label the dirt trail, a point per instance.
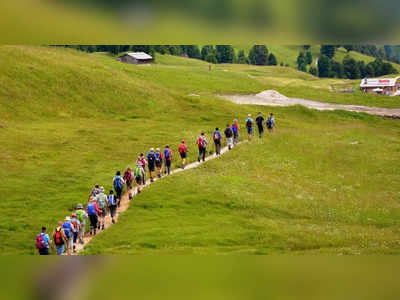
(125, 199)
(273, 98)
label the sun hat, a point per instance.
(151, 149)
(158, 149)
(102, 189)
(79, 206)
(67, 218)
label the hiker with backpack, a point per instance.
(260, 124)
(139, 177)
(202, 145)
(82, 216)
(182, 149)
(271, 122)
(151, 161)
(112, 205)
(142, 162)
(158, 161)
(118, 183)
(128, 178)
(93, 211)
(69, 230)
(229, 136)
(77, 226)
(101, 200)
(59, 238)
(235, 130)
(167, 159)
(217, 136)
(249, 126)
(43, 242)
(94, 191)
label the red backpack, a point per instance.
(40, 241)
(200, 142)
(58, 240)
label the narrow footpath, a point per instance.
(125, 202)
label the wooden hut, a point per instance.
(385, 86)
(137, 58)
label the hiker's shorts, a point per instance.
(113, 209)
(229, 141)
(152, 167)
(249, 130)
(183, 155)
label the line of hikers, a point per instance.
(72, 230)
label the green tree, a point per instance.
(313, 71)
(308, 58)
(193, 51)
(370, 70)
(324, 67)
(272, 60)
(242, 59)
(258, 55)
(362, 68)
(350, 67)
(301, 62)
(328, 50)
(206, 50)
(337, 69)
(211, 58)
(225, 53)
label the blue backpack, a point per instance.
(166, 153)
(91, 209)
(67, 229)
(111, 200)
(118, 183)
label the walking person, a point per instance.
(260, 124)
(217, 136)
(229, 136)
(94, 191)
(202, 145)
(151, 161)
(138, 177)
(128, 181)
(158, 162)
(235, 130)
(118, 183)
(77, 225)
(271, 122)
(249, 126)
(112, 205)
(93, 211)
(59, 238)
(101, 200)
(43, 242)
(69, 229)
(183, 152)
(167, 159)
(82, 216)
(142, 162)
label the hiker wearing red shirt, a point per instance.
(128, 181)
(183, 152)
(93, 211)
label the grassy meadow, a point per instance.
(69, 120)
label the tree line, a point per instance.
(328, 67)
(258, 54)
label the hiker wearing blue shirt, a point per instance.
(43, 242)
(158, 162)
(151, 160)
(112, 205)
(217, 135)
(69, 230)
(118, 183)
(271, 122)
(249, 126)
(167, 159)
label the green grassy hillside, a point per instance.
(69, 120)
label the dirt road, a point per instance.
(273, 98)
